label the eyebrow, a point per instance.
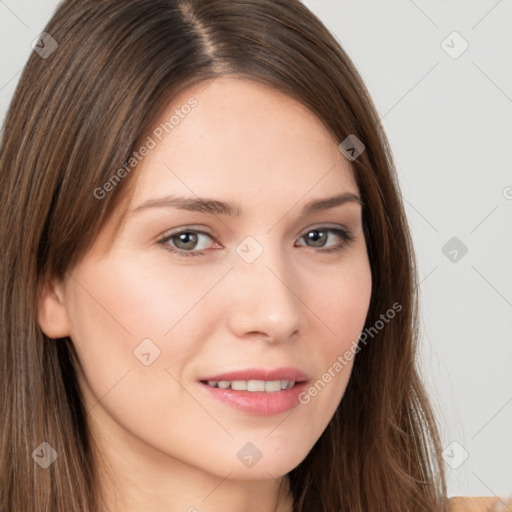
(216, 207)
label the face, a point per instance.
(267, 295)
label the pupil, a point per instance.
(190, 239)
(316, 236)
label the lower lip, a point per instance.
(259, 403)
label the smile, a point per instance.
(268, 386)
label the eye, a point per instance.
(321, 235)
(191, 242)
(187, 242)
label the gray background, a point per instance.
(448, 118)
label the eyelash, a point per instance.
(344, 234)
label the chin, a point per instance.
(275, 466)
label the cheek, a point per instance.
(133, 338)
(140, 300)
(343, 309)
(339, 303)
(342, 301)
(128, 315)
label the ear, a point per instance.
(52, 314)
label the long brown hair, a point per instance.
(75, 119)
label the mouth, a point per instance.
(266, 386)
(257, 392)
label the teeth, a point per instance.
(273, 385)
(269, 386)
(239, 385)
(257, 385)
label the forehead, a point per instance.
(238, 138)
(239, 142)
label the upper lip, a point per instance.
(283, 373)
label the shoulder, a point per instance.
(480, 504)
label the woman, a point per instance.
(263, 373)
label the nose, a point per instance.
(265, 299)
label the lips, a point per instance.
(243, 389)
(266, 374)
